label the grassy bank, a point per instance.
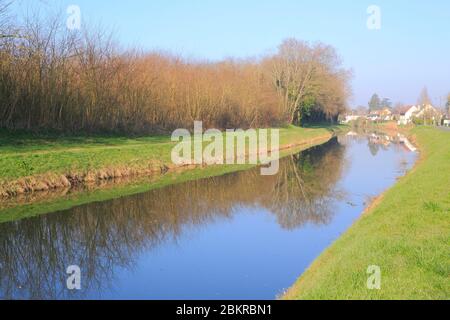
(406, 233)
(41, 163)
(37, 203)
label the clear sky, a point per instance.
(410, 51)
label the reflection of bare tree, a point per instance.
(35, 253)
(99, 237)
(305, 186)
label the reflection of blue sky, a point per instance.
(410, 50)
(249, 255)
(213, 243)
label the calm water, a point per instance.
(240, 236)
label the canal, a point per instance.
(237, 236)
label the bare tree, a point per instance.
(424, 98)
(51, 78)
(302, 72)
(447, 105)
(5, 21)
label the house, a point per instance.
(447, 123)
(424, 112)
(406, 117)
(380, 115)
(386, 114)
(429, 113)
(350, 118)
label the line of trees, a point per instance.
(376, 103)
(52, 78)
(447, 105)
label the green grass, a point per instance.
(13, 210)
(98, 148)
(25, 155)
(407, 234)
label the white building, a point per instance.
(350, 118)
(420, 112)
(407, 117)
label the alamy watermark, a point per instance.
(73, 21)
(231, 147)
(374, 279)
(73, 282)
(374, 19)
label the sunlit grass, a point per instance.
(73, 152)
(407, 235)
(26, 155)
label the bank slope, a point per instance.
(18, 206)
(406, 234)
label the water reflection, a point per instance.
(381, 140)
(35, 252)
(111, 237)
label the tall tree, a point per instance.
(386, 103)
(4, 18)
(53, 79)
(447, 105)
(374, 103)
(303, 74)
(398, 107)
(361, 111)
(424, 98)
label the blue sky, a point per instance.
(411, 50)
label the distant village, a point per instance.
(423, 113)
